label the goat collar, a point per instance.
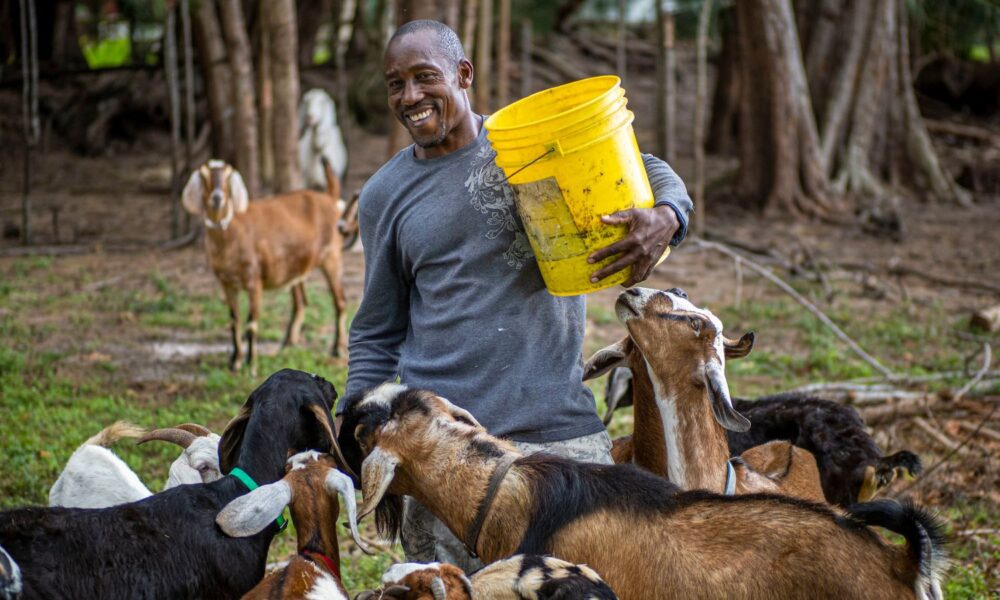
(251, 485)
(226, 220)
(730, 479)
(325, 560)
(472, 533)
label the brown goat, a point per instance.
(310, 489)
(678, 352)
(644, 535)
(268, 244)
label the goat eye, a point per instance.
(695, 325)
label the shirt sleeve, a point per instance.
(379, 327)
(668, 189)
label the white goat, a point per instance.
(95, 477)
(320, 136)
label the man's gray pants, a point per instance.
(426, 539)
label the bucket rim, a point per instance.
(490, 123)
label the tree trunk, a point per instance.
(310, 16)
(701, 91)
(285, 77)
(265, 102)
(722, 130)
(484, 59)
(238, 50)
(503, 55)
(665, 88)
(218, 79)
(470, 9)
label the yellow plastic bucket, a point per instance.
(570, 155)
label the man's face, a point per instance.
(426, 93)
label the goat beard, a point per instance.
(389, 517)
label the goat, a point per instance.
(852, 468)
(320, 138)
(199, 461)
(10, 577)
(268, 244)
(684, 408)
(94, 477)
(646, 537)
(515, 578)
(167, 545)
(310, 489)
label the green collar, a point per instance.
(251, 485)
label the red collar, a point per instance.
(326, 560)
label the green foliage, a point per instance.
(960, 28)
(103, 54)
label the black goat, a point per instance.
(168, 545)
(851, 466)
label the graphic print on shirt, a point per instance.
(492, 197)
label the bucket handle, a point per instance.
(550, 148)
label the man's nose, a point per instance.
(412, 93)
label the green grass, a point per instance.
(63, 376)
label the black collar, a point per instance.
(472, 533)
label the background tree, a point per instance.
(244, 97)
(280, 25)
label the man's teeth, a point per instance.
(420, 115)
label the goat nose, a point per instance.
(632, 292)
(677, 292)
(216, 200)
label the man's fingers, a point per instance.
(618, 218)
(613, 268)
(610, 250)
(641, 271)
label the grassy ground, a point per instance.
(79, 352)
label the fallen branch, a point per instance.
(979, 376)
(939, 437)
(978, 134)
(875, 415)
(767, 274)
(901, 270)
(971, 532)
(983, 431)
(926, 476)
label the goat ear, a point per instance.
(376, 475)
(238, 192)
(324, 419)
(739, 348)
(338, 483)
(232, 440)
(607, 358)
(459, 413)
(722, 404)
(251, 513)
(192, 198)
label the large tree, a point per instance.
(826, 108)
(283, 42)
(244, 96)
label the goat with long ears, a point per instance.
(168, 545)
(645, 536)
(683, 408)
(310, 489)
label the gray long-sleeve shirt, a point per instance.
(454, 302)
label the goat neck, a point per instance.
(649, 449)
(679, 367)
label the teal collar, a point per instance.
(251, 485)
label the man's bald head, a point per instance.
(449, 45)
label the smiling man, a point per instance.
(453, 299)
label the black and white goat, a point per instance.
(515, 578)
(168, 545)
(646, 538)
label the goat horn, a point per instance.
(376, 474)
(396, 591)
(340, 483)
(174, 435)
(438, 589)
(198, 430)
(722, 404)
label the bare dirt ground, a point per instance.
(115, 209)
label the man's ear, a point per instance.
(465, 74)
